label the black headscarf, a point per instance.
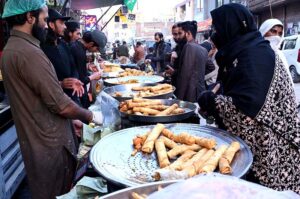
(246, 60)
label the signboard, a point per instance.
(90, 22)
(131, 17)
(204, 25)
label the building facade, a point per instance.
(285, 10)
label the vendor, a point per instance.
(72, 32)
(60, 56)
(40, 109)
(92, 41)
(258, 103)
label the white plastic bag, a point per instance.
(111, 123)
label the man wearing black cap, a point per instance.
(60, 56)
(92, 41)
(72, 33)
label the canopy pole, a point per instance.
(62, 10)
(104, 14)
(110, 19)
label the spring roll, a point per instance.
(185, 138)
(161, 151)
(158, 107)
(124, 108)
(145, 110)
(169, 134)
(205, 142)
(160, 87)
(140, 88)
(211, 164)
(176, 165)
(195, 158)
(168, 111)
(178, 111)
(138, 142)
(226, 159)
(168, 142)
(181, 149)
(149, 143)
(143, 104)
(193, 169)
(136, 99)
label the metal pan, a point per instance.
(126, 89)
(141, 80)
(141, 189)
(111, 156)
(187, 106)
(111, 74)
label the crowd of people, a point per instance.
(47, 78)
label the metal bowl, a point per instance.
(127, 89)
(111, 156)
(141, 80)
(187, 106)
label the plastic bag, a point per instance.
(112, 119)
(217, 186)
(87, 188)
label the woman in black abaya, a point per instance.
(258, 101)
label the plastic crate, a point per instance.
(12, 170)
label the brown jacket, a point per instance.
(46, 138)
(190, 79)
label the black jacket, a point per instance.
(160, 51)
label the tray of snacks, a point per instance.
(145, 154)
(134, 72)
(149, 91)
(111, 70)
(133, 80)
(156, 110)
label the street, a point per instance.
(297, 91)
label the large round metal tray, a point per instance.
(127, 90)
(140, 79)
(147, 189)
(187, 106)
(111, 156)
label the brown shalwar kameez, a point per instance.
(46, 138)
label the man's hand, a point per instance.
(95, 76)
(78, 88)
(74, 84)
(77, 124)
(93, 68)
(173, 56)
(169, 71)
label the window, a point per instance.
(219, 3)
(290, 44)
(200, 4)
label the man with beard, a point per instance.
(72, 32)
(190, 79)
(172, 69)
(60, 56)
(40, 109)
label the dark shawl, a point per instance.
(246, 60)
